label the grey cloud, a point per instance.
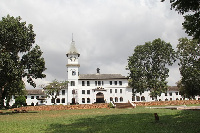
(106, 32)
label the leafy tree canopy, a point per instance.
(189, 56)
(53, 88)
(147, 65)
(192, 19)
(19, 57)
(183, 6)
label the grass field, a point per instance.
(139, 120)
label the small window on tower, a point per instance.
(73, 73)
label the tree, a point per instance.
(20, 100)
(189, 56)
(53, 88)
(147, 65)
(19, 58)
(16, 88)
(192, 19)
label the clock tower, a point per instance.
(73, 73)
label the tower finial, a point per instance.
(72, 37)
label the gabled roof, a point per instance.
(101, 76)
(72, 49)
(35, 92)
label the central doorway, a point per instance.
(100, 98)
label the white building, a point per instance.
(95, 88)
(92, 88)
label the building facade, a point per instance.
(95, 88)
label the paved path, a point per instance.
(184, 107)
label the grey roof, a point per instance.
(73, 49)
(101, 76)
(173, 88)
(35, 92)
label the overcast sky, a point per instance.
(105, 31)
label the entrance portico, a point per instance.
(100, 97)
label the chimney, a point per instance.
(98, 71)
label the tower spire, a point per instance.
(72, 37)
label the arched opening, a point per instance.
(100, 98)
(142, 98)
(73, 101)
(116, 99)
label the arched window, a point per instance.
(116, 99)
(133, 98)
(121, 99)
(83, 100)
(142, 98)
(111, 99)
(137, 98)
(88, 100)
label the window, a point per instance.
(73, 91)
(110, 82)
(170, 99)
(37, 97)
(111, 99)
(63, 92)
(133, 98)
(73, 73)
(83, 91)
(88, 91)
(165, 94)
(83, 100)
(53, 100)
(120, 90)
(102, 83)
(72, 83)
(176, 93)
(52, 93)
(26, 97)
(88, 100)
(99, 83)
(63, 100)
(115, 82)
(110, 90)
(88, 83)
(95, 83)
(116, 99)
(58, 100)
(137, 98)
(115, 90)
(121, 99)
(120, 82)
(142, 98)
(32, 97)
(83, 83)
(170, 93)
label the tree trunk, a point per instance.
(1, 98)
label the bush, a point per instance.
(111, 105)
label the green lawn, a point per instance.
(139, 120)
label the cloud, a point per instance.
(105, 31)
